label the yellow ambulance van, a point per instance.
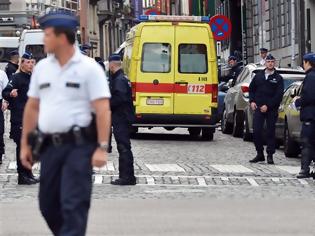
(171, 63)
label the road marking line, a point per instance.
(224, 178)
(150, 180)
(98, 179)
(275, 179)
(201, 181)
(164, 168)
(174, 178)
(303, 181)
(290, 169)
(252, 182)
(232, 168)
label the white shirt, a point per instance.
(3, 81)
(65, 93)
(262, 62)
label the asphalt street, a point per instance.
(185, 187)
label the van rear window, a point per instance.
(193, 59)
(156, 57)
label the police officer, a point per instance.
(265, 95)
(122, 116)
(263, 55)
(3, 84)
(62, 100)
(307, 115)
(16, 94)
(86, 48)
(13, 64)
(236, 69)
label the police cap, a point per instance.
(28, 56)
(14, 53)
(86, 46)
(265, 50)
(114, 57)
(270, 58)
(309, 57)
(232, 58)
(59, 18)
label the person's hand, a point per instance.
(14, 93)
(99, 158)
(263, 109)
(26, 157)
(253, 106)
(4, 106)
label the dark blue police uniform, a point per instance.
(122, 117)
(235, 70)
(267, 92)
(11, 68)
(21, 82)
(307, 115)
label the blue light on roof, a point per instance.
(143, 18)
(205, 18)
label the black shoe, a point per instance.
(124, 182)
(25, 180)
(258, 158)
(270, 160)
(303, 175)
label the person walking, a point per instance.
(122, 117)
(3, 84)
(72, 114)
(265, 95)
(306, 102)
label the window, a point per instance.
(37, 51)
(193, 59)
(156, 57)
(5, 54)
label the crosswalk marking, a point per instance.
(165, 167)
(252, 182)
(303, 181)
(98, 179)
(150, 180)
(290, 169)
(232, 168)
(201, 181)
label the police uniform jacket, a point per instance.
(121, 101)
(268, 91)
(10, 69)
(307, 100)
(234, 72)
(19, 81)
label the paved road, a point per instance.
(186, 187)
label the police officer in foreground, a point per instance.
(265, 95)
(122, 117)
(236, 69)
(16, 94)
(3, 84)
(13, 64)
(66, 89)
(307, 115)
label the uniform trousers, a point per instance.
(65, 187)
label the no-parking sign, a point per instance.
(221, 27)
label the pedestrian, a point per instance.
(236, 69)
(86, 48)
(16, 94)
(3, 84)
(13, 64)
(265, 95)
(122, 117)
(263, 55)
(306, 102)
(72, 115)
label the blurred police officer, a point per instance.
(16, 94)
(3, 84)
(263, 55)
(13, 64)
(122, 116)
(86, 48)
(62, 97)
(307, 115)
(236, 69)
(265, 95)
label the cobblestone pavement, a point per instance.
(169, 164)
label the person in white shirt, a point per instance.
(263, 55)
(3, 83)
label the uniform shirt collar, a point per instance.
(75, 58)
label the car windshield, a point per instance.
(288, 82)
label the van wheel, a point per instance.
(291, 147)
(194, 132)
(207, 134)
(238, 124)
(226, 127)
(247, 135)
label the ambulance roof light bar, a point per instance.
(174, 18)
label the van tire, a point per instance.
(291, 147)
(226, 127)
(247, 135)
(207, 134)
(238, 124)
(194, 132)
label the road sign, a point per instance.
(152, 11)
(221, 27)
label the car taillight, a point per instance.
(245, 89)
(214, 93)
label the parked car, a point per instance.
(289, 76)
(288, 126)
